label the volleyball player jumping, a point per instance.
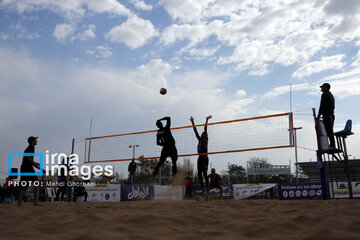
(203, 159)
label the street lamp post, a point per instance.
(133, 147)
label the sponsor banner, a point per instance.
(242, 191)
(135, 192)
(341, 190)
(269, 171)
(293, 191)
(167, 192)
(214, 191)
(103, 193)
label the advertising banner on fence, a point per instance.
(103, 193)
(293, 191)
(341, 190)
(273, 170)
(247, 190)
(162, 192)
(214, 191)
(135, 192)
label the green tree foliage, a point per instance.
(256, 162)
(236, 173)
(187, 168)
(145, 168)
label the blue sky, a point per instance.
(65, 61)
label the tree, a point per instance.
(256, 162)
(117, 177)
(236, 173)
(145, 168)
(187, 168)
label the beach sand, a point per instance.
(216, 219)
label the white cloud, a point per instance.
(87, 34)
(109, 6)
(348, 15)
(345, 88)
(194, 33)
(134, 33)
(70, 9)
(261, 32)
(141, 5)
(326, 63)
(356, 62)
(90, 52)
(201, 53)
(202, 79)
(240, 93)
(237, 108)
(100, 52)
(67, 8)
(285, 90)
(185, 11)
(25, 74)
(67, 32)
(18, 31)
(103, 52)
(64, 31)
(154, 74)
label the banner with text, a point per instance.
(242, 191)
(341, 190)
(103, 193)
(293, 191)
(135, 192)
(214, 191)
(162, 192)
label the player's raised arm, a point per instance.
(195, 130)
(206, 122)
(168, 121)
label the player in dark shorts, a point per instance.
(27, 167)
(203, 159)
(165, 139)
(215, 181)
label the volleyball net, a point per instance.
(248, 134)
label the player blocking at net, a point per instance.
(165, 139)
(203, 159)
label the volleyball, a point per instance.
(163, 91)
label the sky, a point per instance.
(65, 62)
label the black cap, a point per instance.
(325, 85)
(32, 138)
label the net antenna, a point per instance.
(89, 148)
(240, 135)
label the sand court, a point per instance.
(216, 219)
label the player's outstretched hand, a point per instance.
(208, 117)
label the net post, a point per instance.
(89, 150)
(71, 178)
(291, 130)
(85, 151)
